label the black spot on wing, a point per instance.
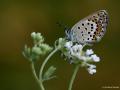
(88, 32)
(85, 28)
(82, 24)
(88, 23)
(92, 27)
(78, 27)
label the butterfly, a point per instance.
(90, 29)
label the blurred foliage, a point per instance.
(18, 18)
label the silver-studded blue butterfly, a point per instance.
(90, 29)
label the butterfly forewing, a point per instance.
(90, 29)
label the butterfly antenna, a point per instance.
(61, 24)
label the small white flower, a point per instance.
(33, 34)
(91, 66)
(89, 52)
(75, 51)
(80, 47)
(95, 58)
(39, 36)
(68, 44)
(77, 48)
(83, 58)
(91, 71)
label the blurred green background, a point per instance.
(18, 18)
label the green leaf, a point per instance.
(49, 73)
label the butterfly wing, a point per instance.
(90, 29)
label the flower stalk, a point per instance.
(36, 78)
(45, 62)
(73, 76)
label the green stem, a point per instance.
(44, 63)
(73, 76)
(36, 78)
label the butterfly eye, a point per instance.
(66, 32)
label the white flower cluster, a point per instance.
(75, 54)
